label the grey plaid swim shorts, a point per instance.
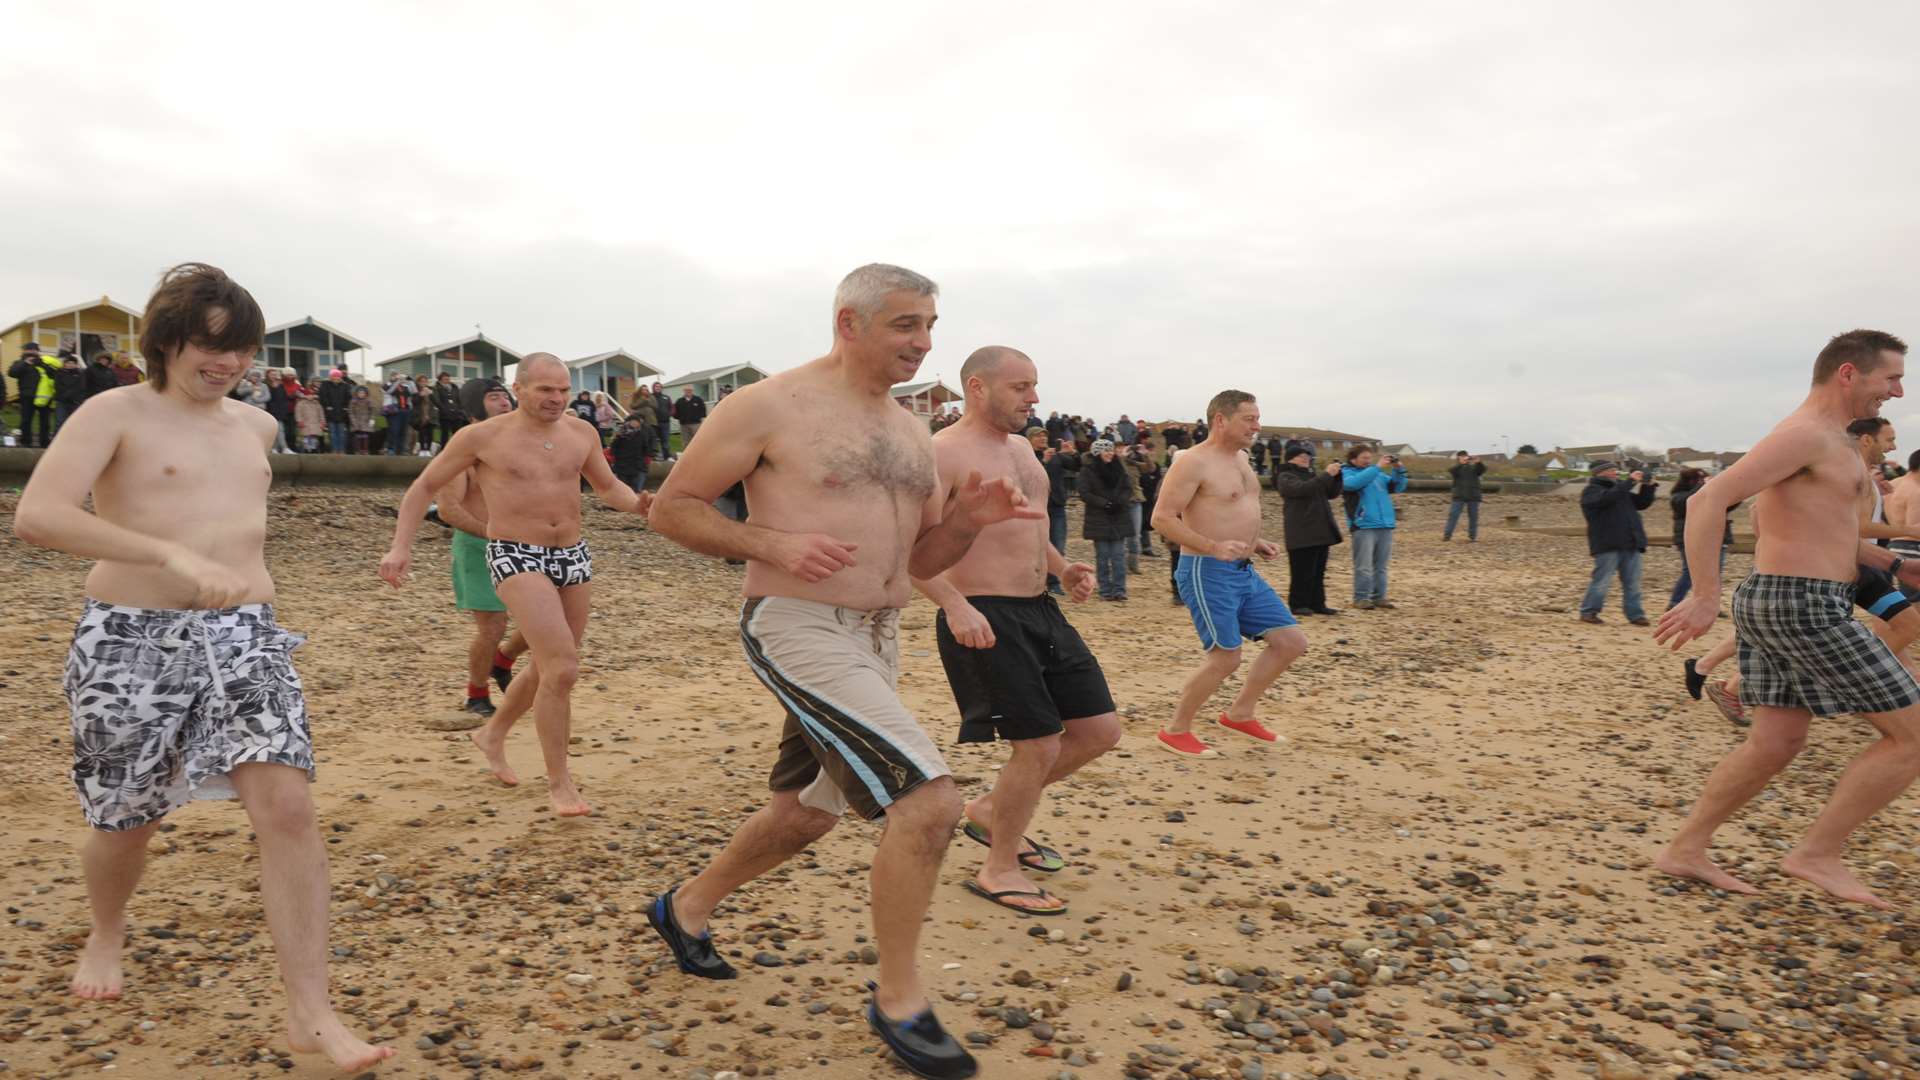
(1801, 648)
(166, 703)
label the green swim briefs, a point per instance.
(472, 585)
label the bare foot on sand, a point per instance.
(495, 748)
(566, 801)
(1832, 875)
(1700, 868)
(328, 1036)
(98, 977)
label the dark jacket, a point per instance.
(279, 405)
(1107, 492)
(1613, 515)
(664, 406)
(27, 374)
(100, 378)
(630, 450)
(70, 386)
(1059, 485)
(1466, 480)
(1307, 506)
(447, 397)
(335, 397)
(1678, 500)
(690, 410)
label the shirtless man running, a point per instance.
(179, 678)
(462, 507)
(1018, 669)
(845, 511)
(1210, 506)
(1801, 651)
(530, 463)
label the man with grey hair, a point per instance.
(847, 510)
(530, 462)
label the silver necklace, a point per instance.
(548, 445)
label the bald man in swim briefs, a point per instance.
(530, 462)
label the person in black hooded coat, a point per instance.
(1311, 529)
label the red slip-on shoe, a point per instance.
(1186, 744)
(1250, 728)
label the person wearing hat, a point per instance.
(1107, 493)
(1310, 528)
(34, 373)
(1615, 538)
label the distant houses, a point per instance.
(1324, 441)
(710, 384)
(88, 328)
(926, 398)
(308, 346)
(470, 357)
(617, 373)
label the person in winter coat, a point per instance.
(100, 376)
(69, 389)
(1369, 491)
(1466, 472)
(1058, 488)
(691, 411)
(126, 372)
(1149, 487)
(605, 419)
(1615, 538)
(311, 417)
(398, 409)
(1692, 480)
(1141, 470)
(426, 414)
(360, 414)
(630, 453)
(280, 407)
(451, 414)
(1310, 528)
(663, 409)
(334, 396)
(34, 374)
(1107, 493)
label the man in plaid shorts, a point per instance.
(1801, 652)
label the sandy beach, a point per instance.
(1443, 872)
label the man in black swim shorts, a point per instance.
(1018, 669)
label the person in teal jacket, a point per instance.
(1370, 518)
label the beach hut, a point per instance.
(927, 398)
(308, 346)
(709, 384)
(89, 329)
(468, 358)
(618, 373)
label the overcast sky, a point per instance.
(1433, 223)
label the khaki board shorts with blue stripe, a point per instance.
(848, 741)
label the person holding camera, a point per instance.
(1466, 472)
(1144, 474)
(1615, 538)
(1310, 528)
(1369, 491)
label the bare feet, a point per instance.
(495, 748)
(328, 1036)
(98, 977)
(1832, 875)
(1700, 868)
(567, 801)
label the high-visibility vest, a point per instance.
(43, 393)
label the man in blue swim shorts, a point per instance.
(1210, 506)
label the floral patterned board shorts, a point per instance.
(167, 702)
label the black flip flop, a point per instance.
(1000, 898)
(1042, 859)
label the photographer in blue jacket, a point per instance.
(1369, 491)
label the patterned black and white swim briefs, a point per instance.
(166, 703)
(563, 566)
(1801, 648)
